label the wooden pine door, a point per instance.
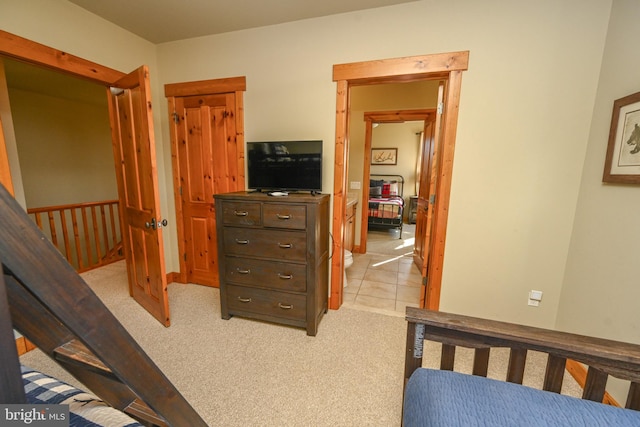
(422, 204)
(135, 156)
(425, 217)
(208, 159)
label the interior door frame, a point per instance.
(443, 66)
(393, 116)
(34, 53)
(31, 52)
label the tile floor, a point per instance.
(385, 278)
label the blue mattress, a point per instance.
(85, 410)
(445, 398)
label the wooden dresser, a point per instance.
(274, 257)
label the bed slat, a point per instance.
(448, 357)
(595, 385)
(554, 374)
(633, 398)
(481, 362)
(517, 360)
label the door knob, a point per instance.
(156, 224)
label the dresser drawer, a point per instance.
(275, 244)
(241, 213)
(266, 274)
(266, 302)
(285, 216)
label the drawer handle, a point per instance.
(285, 245)
(247, 271)
(285, 306)
(283, 216)
(244, 300)
(285, 276)
(242, 242)
(241, 213)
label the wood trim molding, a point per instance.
(174, 277)
(446, 66)
(443, 190)
(579, 373)
(206, 87)
(339, 194)
(5, 172)
(414, 68)
(24, 345)
(27, 50)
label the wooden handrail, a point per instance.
(91, 232)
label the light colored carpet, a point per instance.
(241, 372)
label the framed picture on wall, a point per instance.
(622, 164)
(384, 156)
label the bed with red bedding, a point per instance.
(386, 204)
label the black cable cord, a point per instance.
(332, 245)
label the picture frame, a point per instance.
(384, 156)
(622, 162)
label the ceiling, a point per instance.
(160, 21)
(166, 20)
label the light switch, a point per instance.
(355, 185)
(535, 295)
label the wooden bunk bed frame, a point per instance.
(387, 210)
(600, 356)
(45, 299)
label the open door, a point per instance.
(5, 173)
(135, 157)
(426, 197)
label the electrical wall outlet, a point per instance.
(534, 298)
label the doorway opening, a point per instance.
(131, 121)
(383, 275)
(447, 67)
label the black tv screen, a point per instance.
(285, 165)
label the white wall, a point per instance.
(602, 285)
(524, 120)
(525, 113)
(64, 148)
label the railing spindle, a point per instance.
(52, 228)
(113, 222)
(87, 241)
(105, 236)
(65, 236)
(76, 239)
(38, 220)
(96, 234)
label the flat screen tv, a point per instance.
(285, 165)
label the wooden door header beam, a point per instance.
(35, 53)
(206, 87)
(399, 116)
(412, 67)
